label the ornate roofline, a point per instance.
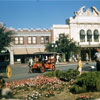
(87, 12)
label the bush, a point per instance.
(78, 89)
(64, 75)
(87, 82)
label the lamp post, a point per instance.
(54, 46)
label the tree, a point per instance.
(64, 45)
(5, 38)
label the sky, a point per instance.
(40, 13)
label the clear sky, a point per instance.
(40, 13)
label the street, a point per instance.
(20, 71)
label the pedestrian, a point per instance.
(97, 59)
(73, 58)
(80, 66)
(87, 58)
(57, 58)
(30, 64)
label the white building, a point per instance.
(84, 28)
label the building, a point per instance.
(84, 28)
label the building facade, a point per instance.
(26, 42)
(83, 28)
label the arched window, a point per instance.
(96, 36)
(82, 36)
(89, 35)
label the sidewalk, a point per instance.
(64, 63)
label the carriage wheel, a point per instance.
(53, 68)
(42, 69)
(8, 71)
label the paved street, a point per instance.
(20, 71)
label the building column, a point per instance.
(11, 57)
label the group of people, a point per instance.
(97, 59)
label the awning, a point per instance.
(23, 51)
(89, 32)
(96, 32)
(34, 50)
(20, 51)
(82, 32)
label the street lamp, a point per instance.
(54, 46)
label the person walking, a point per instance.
(97, 59)
(30, 64)
(80, 66)
(87, 58)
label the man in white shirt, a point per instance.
(97, 58)
(30, 64)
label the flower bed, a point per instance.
(46, 86)
(85, 98)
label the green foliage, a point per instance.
(5, 38)
(64, 44)
(87, 82)
(67, 75)
(77, 89)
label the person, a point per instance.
(30, 64)
(80, 66)
(73, 58)
(57, 58)
(97, 59)
(87, 58)
(53, 60)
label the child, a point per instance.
(80, 66)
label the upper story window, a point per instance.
(16, 40)
(89, 35)
(42, 39)
(34, 40)
(21, 40)
(29, 40)
(96, 36)
(82, 36)
(47, 39)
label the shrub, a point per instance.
(63, 75)
(78, 89)
(87, 82)
(50, 74)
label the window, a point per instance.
(42, 39)
(16, 40)
(89, 35)
(47, 39)
(21, 40)
(29, 40)
(34, 40)
(82, 36)
(96, 36)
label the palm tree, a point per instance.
(5, 38)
